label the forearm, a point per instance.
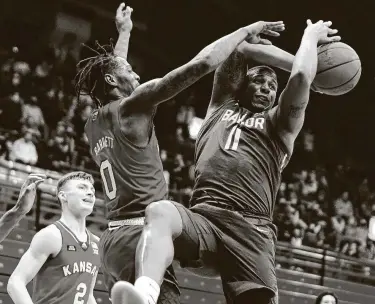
(267, 54)
(306, 59)
(9, 220)
(122, 44)
(18, 292)
(221, 49)
(91, 299)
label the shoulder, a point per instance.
(48, 241)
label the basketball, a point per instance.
(339, 69)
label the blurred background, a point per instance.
(327, 196)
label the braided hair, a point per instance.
(90, 77)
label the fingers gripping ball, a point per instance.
(339, 69)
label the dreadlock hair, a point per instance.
(90, 77)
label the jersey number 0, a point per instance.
(109, 184)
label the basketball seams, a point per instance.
(336, 48)
(332, 67)
(346, 82)
(339, 69)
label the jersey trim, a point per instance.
(74, 236)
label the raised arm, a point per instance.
(289, 115)
(46, 242)
(231, 73)
(24, 204)
(162, 89)
(124, 26)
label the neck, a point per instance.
(76, 224)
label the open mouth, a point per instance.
(262, 98)
(87, 201)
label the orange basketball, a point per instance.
(339, 69)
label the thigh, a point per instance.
(197, 244)
(117, 252)
(246, 256)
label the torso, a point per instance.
(239, 159)
(67, 277)
(132, 176)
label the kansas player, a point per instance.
(63, 258)
(241, 150)
(23, 206)
(123, 144)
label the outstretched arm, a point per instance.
(289, 115)
(231, 73)
(124, 26)
(162, 89)
(24, 204)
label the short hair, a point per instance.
(261, 69)
(90, 77)
(80, 175)
(326, 293)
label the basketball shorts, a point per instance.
(117, 249)
(241, 249)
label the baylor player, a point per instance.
(63, 258)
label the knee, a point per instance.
(164, 213)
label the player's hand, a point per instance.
(322, 31)
(266, 28)
(27, 194)
(123, 18)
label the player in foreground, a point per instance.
(63, 258)
(241, 150)
(25, 202)
(124, 146)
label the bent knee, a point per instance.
(165, 213)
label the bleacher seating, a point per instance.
(322, 270)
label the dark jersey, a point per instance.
(132, 177)
(239, 158)
(67, 278)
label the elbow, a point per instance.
(11, 285)
(205, 64)
(301, 78)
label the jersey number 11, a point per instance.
(233, 139)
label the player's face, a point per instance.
(127, 79)
(328, 299)
(261, 91)
(80, 196)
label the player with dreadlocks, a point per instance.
(124, 146)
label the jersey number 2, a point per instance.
(81, 292)
(108, 184)
(233, 139)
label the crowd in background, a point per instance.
(42, 124)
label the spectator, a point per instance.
(33, 115)
(61, 146)
(343, 206)
(327, 298)
(23, 150)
